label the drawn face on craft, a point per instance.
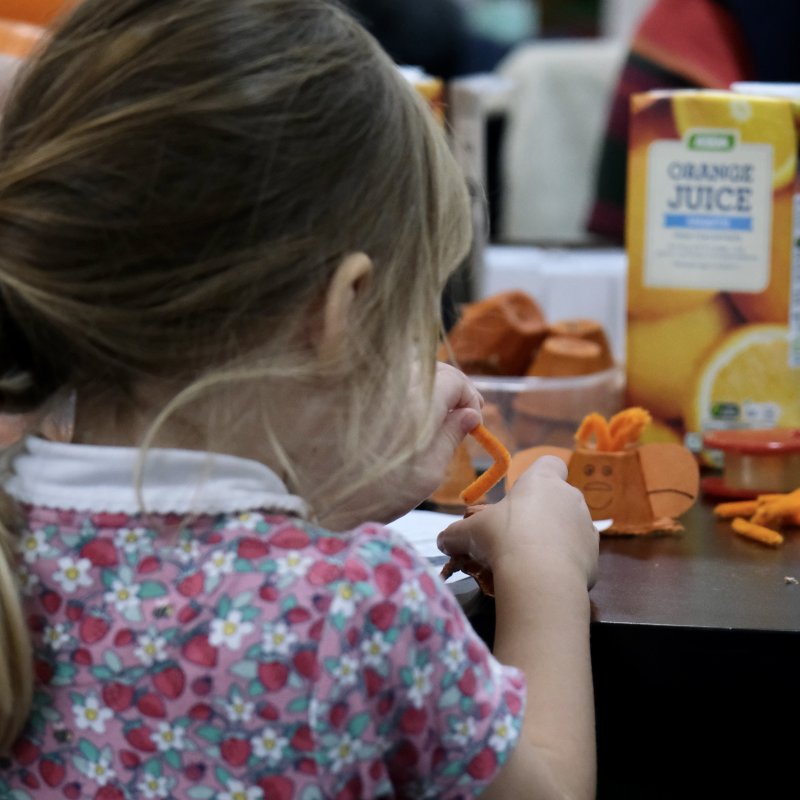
(599, 477)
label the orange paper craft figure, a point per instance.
(640, 488)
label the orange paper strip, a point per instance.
(502, 458)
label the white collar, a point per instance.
(103, 479)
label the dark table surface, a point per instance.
(706, 577)
(696, 664)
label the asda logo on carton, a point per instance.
(716, 141)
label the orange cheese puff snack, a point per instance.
(791, 517)
(495, 473)
(740, 508)
(758, 533)
(782, 508)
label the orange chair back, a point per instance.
(36, 12)
(18, 38)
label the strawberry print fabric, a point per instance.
(247, 656)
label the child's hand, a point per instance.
(541, 546)
(543, 523)
(456, 411)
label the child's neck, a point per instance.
(228, 424)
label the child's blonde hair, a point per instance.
(178, 181)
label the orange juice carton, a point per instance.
(713, 335)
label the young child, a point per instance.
(224, 230)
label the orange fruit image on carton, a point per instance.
(713, 331)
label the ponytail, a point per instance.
(16, 662)
(25, 385)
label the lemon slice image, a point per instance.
(749, 368)
(692, 110)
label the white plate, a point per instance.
(421, 528)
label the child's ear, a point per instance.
(350, 279)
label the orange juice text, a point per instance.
(713, 312)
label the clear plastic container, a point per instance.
(525, 412)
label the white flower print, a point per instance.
(32, 545)
(123, 595)
(237, 709)
(238, 791)
(453, 655)
(344, 600)
(168, 737)
(91, 714)
(346, 670)
(246, 520)
(154, 787)
(344, 752)
(413, 596)
(100, 771)
(72, 573)
(187, 550)
(294, 564)
(463, 731)
(229, 630)
(131, 540)
(420, 684)
(278, 638)
(269, 744)
(504, 732)
(375, 649)
(56, 635)
(220, 563)
(152, 648)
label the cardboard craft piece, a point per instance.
(565, 356)
(589, 330)
(497, 335)
(641, 489)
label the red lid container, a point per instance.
(755, 461)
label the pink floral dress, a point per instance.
(198, 652)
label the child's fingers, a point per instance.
(457, 539)
(456, 388)
(458, 423)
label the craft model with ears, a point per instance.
(640, 488)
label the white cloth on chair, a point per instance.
(557, 111)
